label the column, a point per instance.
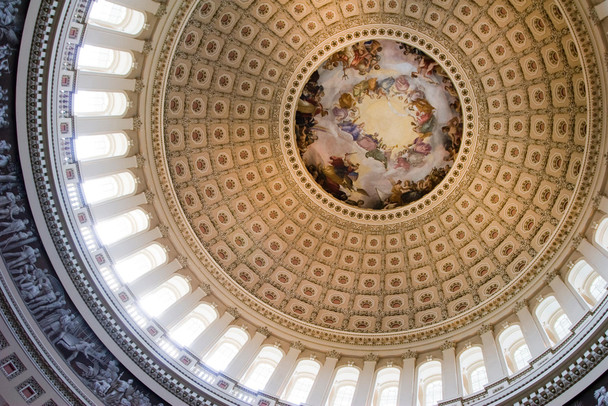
(95, 81)
(141, 5)
(246, 355)
(97, 168)
(594, 257)
(449, 372)
(320, 388)
(407, 380)
(180, 309)
(568, 302)
(207, 338)
(282, 373)
(494, 363)
(105, 38)
(156, 277)
(603, 206)
(114, 207)
(97, 125)
(533, 336)
(127, 247)
(602, 12)
(364, 388)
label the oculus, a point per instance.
(378, 124)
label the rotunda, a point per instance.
(316, 202)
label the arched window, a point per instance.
(87, 103)
(161, 298)
(553, 319)
(109, 187)
(588, 283)
(262, 367)
(116, 17)
(387, 387)
(141, 262)
(122, 226)
(601, 234)
(109, 61)
(193, 324)
(515, 349)
(226, 348)
(99, 146)
(343, 387)
(301, 381)
(429, 383)
(474, 375)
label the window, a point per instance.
(429, 383)
(343, 387)
(92, 58)
(301, 381)
(140, 263)
(193, 324)
(225, 349)
(161, 298)
(262, 367)
(91, 147)
(122, 226)
(514, 347)
(473, 370)
(553, 319)
(601, 234)
(588, 283)
(109, 187)
(88, 103)
(116, 17)
(387, 387)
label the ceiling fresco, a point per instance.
(379, 124)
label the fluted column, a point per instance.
(207, 338)
(594, 257)
(246, 355)
(602, 13)
(407, 380)
(363, 390)
(103, 167)
(180, 309)
(533, 336)
(156, 277)
(494, 363)
(142, 5)
(566, 299)
(111, 208)
(449, 372)
(105, 38)
(127, 247)
(320, 387)
(282, 373)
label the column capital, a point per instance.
(484, 328)
(447, 345)
(296, 345)
(371, 357)
(233, 312)
(520, 305)
(205, 287)
(263, 331)
(551, 275)
(333, 354)
(409, 354)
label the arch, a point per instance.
(262, 367)
(116, 17)
(554, 320)
(473, 368)
(514, 347)
(588, 283)
(105, 188)
(90, 103)
(193, 324)
(386, 388)
(141, 262)
(161, 298)
(122, 226)
(343, 386)
(92, 58)
(301, 381)
(429, 383)
(100, 146)
(225, 349)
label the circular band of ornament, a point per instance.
(314, 61)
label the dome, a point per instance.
(307, 202)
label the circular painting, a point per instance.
(379, 124)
